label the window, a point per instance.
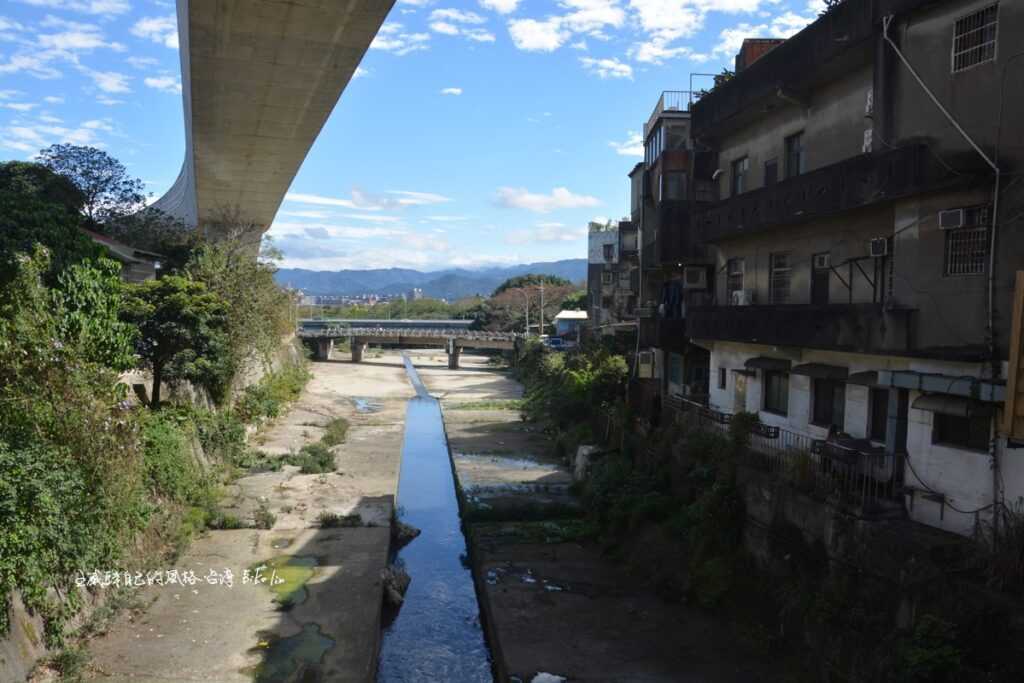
(608, 252)
(739, 175)
(721, 378)
(966, 251)
(673, 186)
(776, 392)
(624, 280)
(771, 172)
(794, 155)
(735, 267)
(829, 403)
(781, 276)
(971, 433)
(879, 416)
(654, 146)
(974, 38)
(607, 277)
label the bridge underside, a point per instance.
(259, 79)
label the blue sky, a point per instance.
(476, 132)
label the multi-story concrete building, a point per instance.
(612, 276)
(863, 244)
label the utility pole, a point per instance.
(540, 328)
(526, 296)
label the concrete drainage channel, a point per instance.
(436, 635)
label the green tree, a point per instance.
(108, 190)
(182, 327)
(30, 215)
(152, 229)
(90, 298)
(259, 311)
(577, 301)
(530, 280)
(35, 180)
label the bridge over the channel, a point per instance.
(452, 335)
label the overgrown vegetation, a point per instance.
(85, 474)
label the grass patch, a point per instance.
(263, 518)
(332, 520)
(335, 432)
(314, 458)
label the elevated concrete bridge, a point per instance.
(259, 79)
(452, 339)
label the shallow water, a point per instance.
(436, 635)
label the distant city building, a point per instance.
(612, 276)
(415, 294)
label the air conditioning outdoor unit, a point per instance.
(695, 277)
(743, 297)
(951, 219)
(822, 261)
(879, 247)
(645, 362)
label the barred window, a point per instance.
(974, 38)
(734, 278)
(781, 275)
(966, 251)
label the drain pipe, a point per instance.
(996, 369)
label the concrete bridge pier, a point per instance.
(324, 348)
(358, 348)
(453, 354)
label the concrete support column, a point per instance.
(453, 354)
(324, 348)
(358, 347)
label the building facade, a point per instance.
(612, 277)
(859, 225)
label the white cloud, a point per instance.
(108, 81)
(52, 99)
(632, 146)
(168, 84)
(7, 25)
(457, 16)
(538, 36)
(31, 136)
(782, 26)
(546, 232)
(101, 7)
(392, 38)
(108, 101)
(409, 198)
(451, 91)
(21, 106)
(163, 30)
(607, 68)
(76, 38)
(306, 214)
(319, 200)
(363, 201)
(360, 72)
(500, 6)
(142, 62)
(560, 198)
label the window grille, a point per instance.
(966, 251)
(974, 38)
(781, 274)
(734, 277)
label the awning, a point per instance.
(868, 378)
(821, 371)
(951, 405)
(766, 363)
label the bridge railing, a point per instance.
(345, 331)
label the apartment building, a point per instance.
(861, 243)
(612, 276)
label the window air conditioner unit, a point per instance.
(645, 362)
(822, 261)
(879, 247)
(743, 297)
(951, 219)
(695, 277)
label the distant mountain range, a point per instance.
(451, 284)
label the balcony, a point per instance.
(864, 328)
(671, 334)
(675, 101)
(860, 181)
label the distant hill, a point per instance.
(453, 283)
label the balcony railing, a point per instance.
(670, 101)
(849, 327)
(839, 468)
(671, 334)
(856, 182)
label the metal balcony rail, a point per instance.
(850, 470)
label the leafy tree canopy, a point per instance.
(109, 191)
(530, 280)
(182, 327)
(35, 180)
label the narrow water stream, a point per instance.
(436, 635)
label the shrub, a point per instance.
(329, 520)
(335, 432)
(314, 458)
(263, 518)
(171, 469)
